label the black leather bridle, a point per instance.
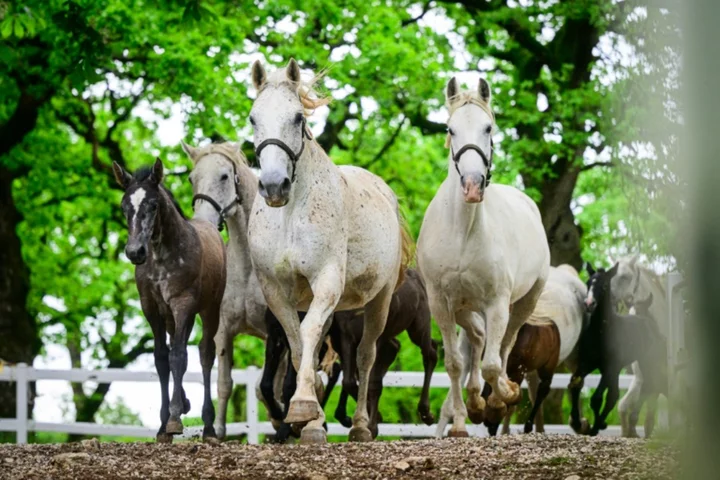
(471, 146)
(222, 212)
(294, 157)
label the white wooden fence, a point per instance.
(21, 374)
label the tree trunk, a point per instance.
(20, 342)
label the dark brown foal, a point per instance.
(180, 272)
(536, 349)
(408, 311)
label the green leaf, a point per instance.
(6, 28)
(18, 28)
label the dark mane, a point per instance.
(143, 173)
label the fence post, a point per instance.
(251, 405)
(21, 403)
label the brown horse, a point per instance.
(180, 272)
(409, 312)
(536, 349)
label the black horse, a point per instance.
(609, 343)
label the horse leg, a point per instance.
(162, 366)
(455, 364)
(475, 329)
(387, 352)
(579, 425)
(376, 312)
(285, 430)
(327, 289)
(210, 321)
(630, 403)
(332, 381)
(493, 368)
(224, 348)
(179, 404)
(419, 332)
(613, 394)
(275, 346)
(543, 389)
(533, 383)
(490, 421)
(650, 413)
(508, 418)
(347, 350)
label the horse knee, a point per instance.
(491, 372)
(453, 365)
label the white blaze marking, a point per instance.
(136, 200)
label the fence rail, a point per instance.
(22, 374)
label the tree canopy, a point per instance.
(84, 83)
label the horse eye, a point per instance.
(224, 177)
(190, 180)
(252, 121)
(488, 129)
(450, 131)
(298, 118)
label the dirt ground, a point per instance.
(518, 456)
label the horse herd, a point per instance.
(317, 266)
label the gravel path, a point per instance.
(563, 457)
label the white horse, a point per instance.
(322, 238)
(483, 253)
(635, 283)
(224, 188)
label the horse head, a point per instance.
(470, 129)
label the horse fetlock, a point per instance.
(303, 411)
(220, 431)
(508, 391)
(425, 414)
(528, 427)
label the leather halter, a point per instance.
(222, 212)
(294, 157)
(471, 146)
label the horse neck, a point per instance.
(248, 188)
(239, 263)
(308, 168)
(171, 228)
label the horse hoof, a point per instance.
(476, 409)
(186, 405)
(211, 440)
(164, 438)
(428, 418)
(174, 427)
(516, 394)
(302, 411)
(360, 434)
(276, 424)
(220, 431)
(313, 436)
(458, 433)
(528, 428)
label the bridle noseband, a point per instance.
(471, 146)
(294, 157)
(222, 212)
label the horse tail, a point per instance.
(406, 249)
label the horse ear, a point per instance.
(293, 71)
(613, 270)
(484, 89)
(589, 268)
(158, 171)
(258, 75)
(122, 177)
(189, 150)
(452, 89)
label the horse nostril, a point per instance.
(141, 251)
(286, 184)
(462, 180)
(260, 185)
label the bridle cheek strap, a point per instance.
(294, 157)
(471, 146)
(222, 212)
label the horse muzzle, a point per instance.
(276, 192)
(473, 188)
(136, 253)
